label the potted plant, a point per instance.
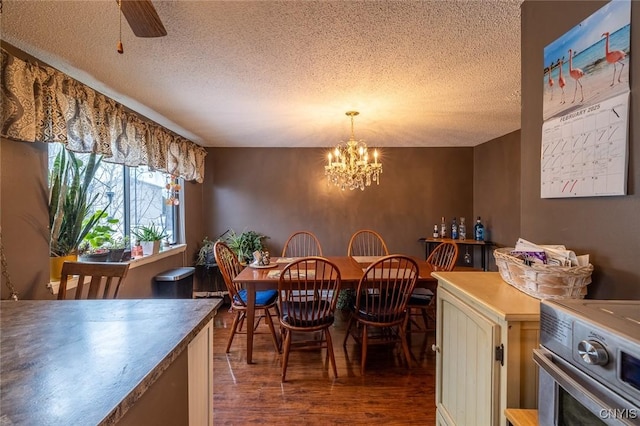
(70, 203)
(149, 237)
(88, 253)
(102, 232)
(117, 247)
(245, 244)
(206, 256)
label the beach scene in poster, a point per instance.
(598, 67)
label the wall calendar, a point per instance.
(584, 153)
(585, 83)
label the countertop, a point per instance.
(491, 291)
(85, 362)
(522, 417)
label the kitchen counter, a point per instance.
(88, 362)
(488, 291)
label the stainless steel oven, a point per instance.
(589, 359)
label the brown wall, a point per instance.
(605, 227)
(24, 219)
(496, 189)
(279, 191)
(194, 219)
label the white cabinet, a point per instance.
(200, 354)
(485, 336)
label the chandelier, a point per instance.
(349, 165)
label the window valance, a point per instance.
(42, 104)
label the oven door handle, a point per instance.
(545, 360)
(565, 380)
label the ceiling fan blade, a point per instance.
(143, 18)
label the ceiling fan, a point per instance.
(142, 18)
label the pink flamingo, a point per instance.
(613, 57)
(561, 82)
(550, 80)
(576, 74)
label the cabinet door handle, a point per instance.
(435, 348)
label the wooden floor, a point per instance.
(388, 393)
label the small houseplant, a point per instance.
(70, 203)
(149, 237)
(88, 253)
(117, 247)
(245, 244)
(206, 256)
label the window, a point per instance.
(134, 196)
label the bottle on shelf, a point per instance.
(436, 233)
(462, 230)
(478, 230)
(454, 229)
(443, 228)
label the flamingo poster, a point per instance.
(585, 107)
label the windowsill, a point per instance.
(172, 250)
(133, 263)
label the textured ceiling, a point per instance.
(283, 74)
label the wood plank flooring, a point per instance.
(388, 393)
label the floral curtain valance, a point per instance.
(42, 104)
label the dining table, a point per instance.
(351, 271)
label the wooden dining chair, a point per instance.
(307, 287)
(302, 243)
(265, 300)
(442, 258)
(367, 243)
(362, 243)
(381, 302)
(93, 276)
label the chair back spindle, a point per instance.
(367, 243)
(302, 243)
(443, 257)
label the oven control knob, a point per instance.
(592, 352)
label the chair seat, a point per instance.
(421, 297)
(373, 312)
(263, 298)
(306, 314)
(381, 317)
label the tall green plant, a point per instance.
(245, 244)
(70, 202)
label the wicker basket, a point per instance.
(543, 281)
